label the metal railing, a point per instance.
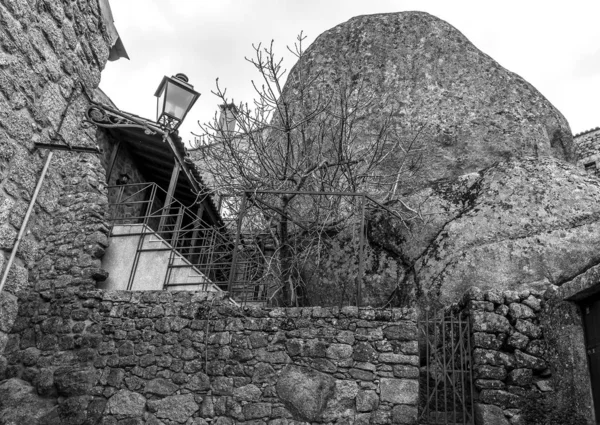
(302, 248)
(307, 246)
(191, 241)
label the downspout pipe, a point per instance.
(13, 254)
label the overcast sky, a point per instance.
(554, 45)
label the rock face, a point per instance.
(177, 408)
(489, 414)
(460, 107)
(126, 404)
(520, 224)
(72, 381)
(19, 404)
(304, 391)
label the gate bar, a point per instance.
(470, 361)
(361, 253)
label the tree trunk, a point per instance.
(285, 253)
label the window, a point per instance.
(591, 168)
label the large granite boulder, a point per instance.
(72, 380)
(460, 109)
(305, 392)
(524, 223)
(20, 404)
(126, 404)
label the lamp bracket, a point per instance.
(56, 146)
(99, 115)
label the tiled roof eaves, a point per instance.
(179, 145)
(587, 131)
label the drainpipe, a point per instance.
(13, 254)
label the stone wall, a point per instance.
(587, 147)
(51, 55)
(519, 358)
(562, 325)
(72, 239)
(174, 357)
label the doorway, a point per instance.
(590, 310)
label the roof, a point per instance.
(117, 49)
(154, 155)
(583, 133)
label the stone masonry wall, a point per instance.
(174, 357)
(515, 355)
(51, 55)
(587, 146)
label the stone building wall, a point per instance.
(163, 357)
(51, 55)
(525, 353)
(587, 149)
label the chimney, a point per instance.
(227, 118)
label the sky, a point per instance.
(554, 45)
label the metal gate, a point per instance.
(446, 380)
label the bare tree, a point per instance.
(311, 136)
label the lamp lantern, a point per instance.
(175, 97)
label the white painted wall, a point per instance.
(152, 266)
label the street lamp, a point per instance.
(175, 97)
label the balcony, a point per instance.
(157, 246)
